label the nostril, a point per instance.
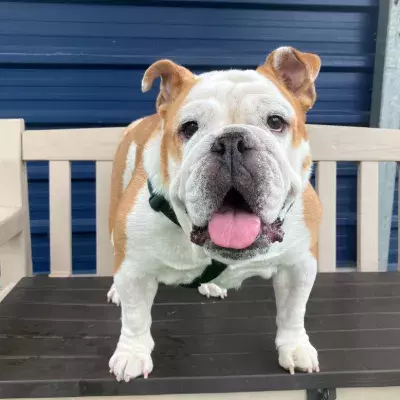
(241, 146)
(218, 147)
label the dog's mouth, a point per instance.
(235, 226)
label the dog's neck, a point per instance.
(152, 166)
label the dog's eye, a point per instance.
(276, 123)
(188, 129)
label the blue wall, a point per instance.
(79, 63)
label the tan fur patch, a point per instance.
(176, 81)
(312, 210)
(306, 164)
(128, 199)
(171, 145)
(122, 202)
(138, 133)
(298, 124)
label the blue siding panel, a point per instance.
(393, 245)
(80, 63)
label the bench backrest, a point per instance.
(329, 145)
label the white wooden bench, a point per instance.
(329, 144)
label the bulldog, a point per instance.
(213, 189)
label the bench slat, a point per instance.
(367, 216)
(88, 144)
(353, 143)
(176, 296)
(104, 251)
(232, 343)
(208, 346)
(326, 188)
(99, 283)
(328, 143)
(60, 218)
(197, 374)
(194, 311)
(378, 322)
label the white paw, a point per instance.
(212, 290)
(113, 296)
(302, 357)
(127, 365)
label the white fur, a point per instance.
(234, 97)
(279, 53)
(159, 251)
(152, 164)
(292, 289)
(129, 165)
(133, 354)
(130, 158)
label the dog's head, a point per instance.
(234, 148)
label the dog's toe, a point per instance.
(212, 290)
(302, 357)
(113, 296)
(126, 365)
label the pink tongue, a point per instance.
(234, 229)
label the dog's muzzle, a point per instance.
(240, 192)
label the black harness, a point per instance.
(160, 204)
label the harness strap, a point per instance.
(212, 271)
(160, 204)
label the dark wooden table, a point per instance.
(57, 335)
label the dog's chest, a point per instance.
(160, 245)
(163, 248)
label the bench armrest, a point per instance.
(15, 252)
(15, 245)
(11, 223)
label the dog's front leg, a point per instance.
(292, 285)
(132, 356)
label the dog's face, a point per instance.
(234, 151)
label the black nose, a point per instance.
(232, 142)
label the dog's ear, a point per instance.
(296, 70)
(173, 78)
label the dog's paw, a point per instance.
(127, 365)
(113, 296)
(302, 357)
(212, 290)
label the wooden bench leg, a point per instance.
(321, 394)
(15, 259)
